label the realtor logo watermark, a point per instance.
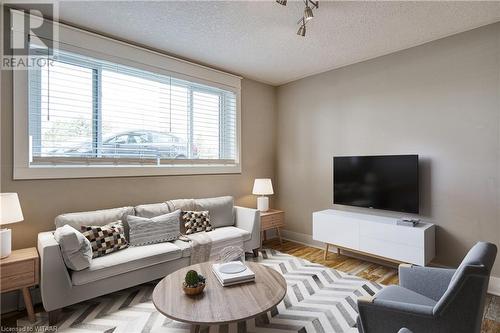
(29, 34)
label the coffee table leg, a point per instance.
(195, 329)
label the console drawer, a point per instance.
(411, 236)
(16, 268)
(272, 221)
(395, 251)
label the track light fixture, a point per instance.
(302, 29)
(308, 14)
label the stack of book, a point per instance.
(229, 279)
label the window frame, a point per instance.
(152, 61)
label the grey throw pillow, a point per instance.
(220, 209)
(75, 248)
(158, 229)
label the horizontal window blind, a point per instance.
(88, 111)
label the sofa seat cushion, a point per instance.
(184, 246)
(129, 259)
(399, 294)
(222, 234)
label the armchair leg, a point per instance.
(54, 316)
(255, 252)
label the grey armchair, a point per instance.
(432, 300)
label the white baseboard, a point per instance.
(301, 238)
(494, 286)
(297, 237)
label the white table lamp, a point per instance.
(263, 187)
(10, 212)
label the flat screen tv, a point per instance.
(387, 182)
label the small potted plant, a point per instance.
(194, 283)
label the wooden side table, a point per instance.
(272, 219)
(20, 270)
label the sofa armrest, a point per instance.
(428, 281)
(54, 276)
(249, 219)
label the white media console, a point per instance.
(375, 235)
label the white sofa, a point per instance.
(61, 287)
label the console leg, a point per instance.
(326, 250)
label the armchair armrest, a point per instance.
(395, 306)
(366, 299)
(408, 308)
(428, 281)
(249, 219)
(383, 316)
(54, 276)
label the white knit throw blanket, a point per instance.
(204, 249)
(202, 246)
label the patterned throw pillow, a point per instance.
(106, 238)
(195, 221)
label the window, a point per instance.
(106, 108)
(85, 111)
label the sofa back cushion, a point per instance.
(152, 210)
(96, 217)
(182, 204)
(221, 210)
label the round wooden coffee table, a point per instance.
(218, 304)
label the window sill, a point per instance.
(107, 171)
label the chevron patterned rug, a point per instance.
(318, 299)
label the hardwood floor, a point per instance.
(371, 271)
(385, 274)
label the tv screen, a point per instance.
(381, 182)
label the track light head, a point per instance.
(302, 30)
(308, 13)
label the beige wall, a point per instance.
(440, 100)
(42, 200)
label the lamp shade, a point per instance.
(262, 186)
(10, 208)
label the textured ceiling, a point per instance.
(257, 39)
